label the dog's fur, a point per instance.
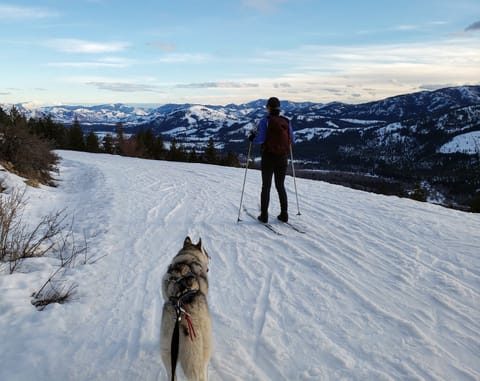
(187, 273)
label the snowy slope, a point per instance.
(468, 143)
(379, 288)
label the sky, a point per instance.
(57, 52)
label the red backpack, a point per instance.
(278, 135)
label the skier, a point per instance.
(275, 135)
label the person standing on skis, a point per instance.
(275, 134)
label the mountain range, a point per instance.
(455, 109)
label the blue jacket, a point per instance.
(262, 131)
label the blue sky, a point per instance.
(217, 52)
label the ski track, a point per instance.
(357, 297)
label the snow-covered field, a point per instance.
(379, 288)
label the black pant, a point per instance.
(273, 165)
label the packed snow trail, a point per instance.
(379, 288)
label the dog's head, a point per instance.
(198, 250)
(188, 270)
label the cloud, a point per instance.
(423, 27)
(123, 87)
(283, 85)
(406, 27)
(166, 47)
(16, 13)
(384, 69)
(439, 23)
(82, 46)
(263, 5)
(217, 85)
(320, 59)
(111, 62)
(434, 86)
(473, 27)
(190, 58)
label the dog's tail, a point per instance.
(174, 347)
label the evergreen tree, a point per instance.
(177, 151)
(55, 132)
(149, 143)
(158, 148)
(181, 153)
(76, 140)
(120, 141)
(16, 118)
(172, 152)
(108, 144)
(129, 147)
(4, 119)
(140, 147)
(475, 203)
(210, 152)
(92, 144)
(47, 129)
(231, 160)
(193, 157)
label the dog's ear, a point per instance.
(200, 247)
(187, 242)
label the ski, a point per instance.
(266, 224)
(298, 229)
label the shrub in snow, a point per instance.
(53, 291)
(17, 240)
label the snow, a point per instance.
(379, 288)
(388, 129)
(203, 112)
(468, 143)
(361, 121)
(331, 124)
(307, 134)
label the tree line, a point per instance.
(26, 145)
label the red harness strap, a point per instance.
(191, 330)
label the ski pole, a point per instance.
(294, 181)
(244, 179)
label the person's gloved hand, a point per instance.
(252, 136)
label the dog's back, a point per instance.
(185, 288)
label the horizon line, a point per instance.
(153, 105)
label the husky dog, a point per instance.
(186, 324)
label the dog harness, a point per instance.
(181, 310)
(180, 303)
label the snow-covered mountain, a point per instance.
(378, 288)
(312, 122)
(100, 114)
(329, 115)
(455, 109)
